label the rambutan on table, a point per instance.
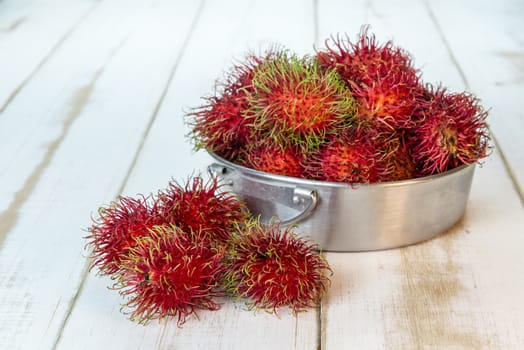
(92, 94)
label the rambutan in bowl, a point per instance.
(358, 217)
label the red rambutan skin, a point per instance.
(170, 272)
(366, 61)
(381, 77)
(388, 103)
(200, 205)
(221, 124)
(272, 267)
(112, 234)
(399, 161)
(454, 132)
(275, 159)
(294, 102)
(355, 157)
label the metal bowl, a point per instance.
(343, 217)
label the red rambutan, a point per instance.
(272, 267)
(118, 225)
(381, 77)
(399, 162)
(201, 206)
(454, 131)
(294, 102)
(220, 125)
(170, 272)
(274, 159)
(366, 61)
(355, 157)
(388, 103)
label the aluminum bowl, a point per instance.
(362, 217)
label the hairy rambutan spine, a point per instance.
(388, 103)
(399, 161)
(274, 158)
(221, 124)
(113, 232)
(381, 77)
(454, 131)
(294, 102)
(365, 60)
(271, 267)
(200, 205)
(355, 157)
(170, 273)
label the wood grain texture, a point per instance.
(430, 295)
(406, 23)
(32, 132)
(491, 55)
(92, 95)
(35, 23)
(445, 293)
(242, 28)
(42, 261)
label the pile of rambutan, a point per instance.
(190, 245)
(355, 112)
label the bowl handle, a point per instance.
(304, 200)
(306, 196)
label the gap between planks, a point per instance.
(509, 171)
(316, 31)
(505, 162)
(9, 217)
(153, 117)
(46, 57)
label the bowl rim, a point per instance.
(308, 182)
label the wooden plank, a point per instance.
(445, 293)
(234, 27)
(33, 125)
(256, 28)
(97, 117)
(404, 22)
(13, 14)
(29, 34)
(492, 62)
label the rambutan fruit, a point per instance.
(366, 61)
(201, 206)
(294, 102)
(454, 131)
(112, 234)
(354, 157)
(271, 267)
(170, 272)
(220, 125)
(275, 159)
(399, 162)
(381, 77)
(390, 102)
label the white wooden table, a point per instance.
(92, 95)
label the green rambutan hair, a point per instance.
(270, 267)
(295, 102)
(170, 272)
